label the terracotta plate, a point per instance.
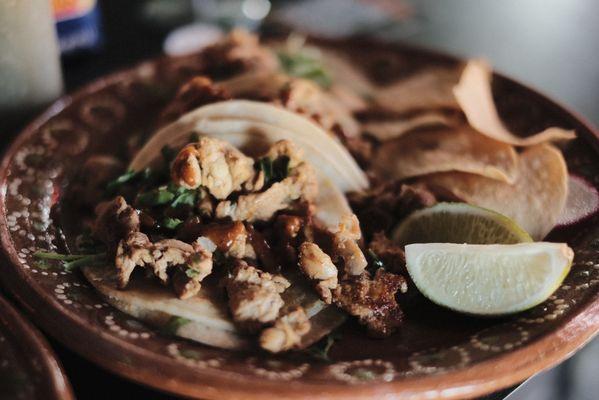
(437, 354)
(28, 368)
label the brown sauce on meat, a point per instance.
(222, 234)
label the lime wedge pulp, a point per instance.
(488, 279)
(458, 223)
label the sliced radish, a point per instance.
(582, 201)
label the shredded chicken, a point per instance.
(317, 266)
(115, 220)
(254, 295)
(138, 251)
(346, 246)
(372, 300)
(212, 164)
(287, 331)
(300, 184)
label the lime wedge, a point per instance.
(459, 223)
(488, 279)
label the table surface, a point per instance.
(550, 44)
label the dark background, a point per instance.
(552, 45)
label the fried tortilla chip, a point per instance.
(535, 201)
(428, 89)
(440, 150)
(392, 129)
(474, 95)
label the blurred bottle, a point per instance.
(78, 25)
(30, 74)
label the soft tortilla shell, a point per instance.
(208, 318)
(535, 201)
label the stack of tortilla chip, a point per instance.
(474, 156)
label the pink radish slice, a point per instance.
(582, 201)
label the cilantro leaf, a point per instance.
(155, 197)
(171, 223)
(303, 65)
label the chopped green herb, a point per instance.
(173, 325)
(303, 65)
(280, 168)
(274, 171)
(192, 273)
(155, 197)
(265, 165)
(72, 261)
(171, 223)
(147, 175)
(376, 261)
(126, 177)
(186, 198)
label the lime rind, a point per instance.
(488, 280)
(459, 223)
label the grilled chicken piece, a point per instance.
(287, 331)
(318, 267)
(138, 251)
(254, 295)
(372, 300)
(187, 279)
(115, 220)
(214, 165)
(300, 183)
(345, 244)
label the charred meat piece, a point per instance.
(319, 268)
(254, 296)
(345, 245)
(383, 206)
(115, 220)
(287, 331)
(390, 254)
(197, 92)
(372, 301)
(214, 165)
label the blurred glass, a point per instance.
(30, 74)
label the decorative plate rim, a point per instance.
(58, 386)
(484, 377)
